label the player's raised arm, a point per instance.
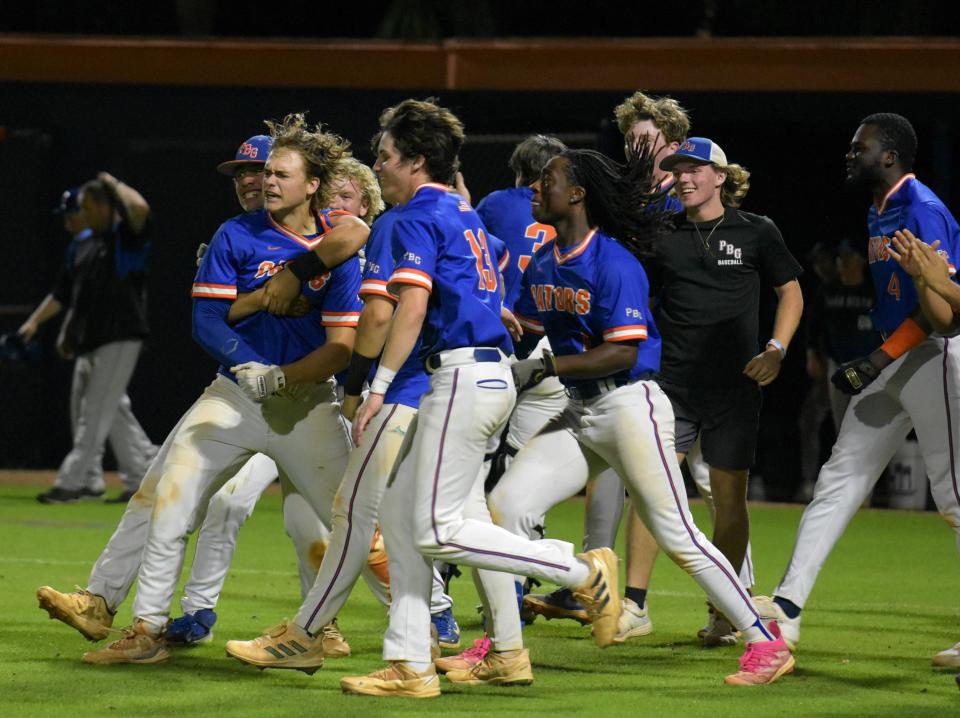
(346, 237)
(129, 201)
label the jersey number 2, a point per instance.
(485, 267)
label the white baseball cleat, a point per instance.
(634, 622)
(949, 658)
(770, 611)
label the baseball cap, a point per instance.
(695, 149)
(68, 201)
(254, 150)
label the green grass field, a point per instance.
(885, 603)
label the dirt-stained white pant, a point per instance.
(629, 430)
(300, 429)
(920, 390)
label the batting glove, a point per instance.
(201, 250)
(258, 381)
(530, 372)
(854, 376)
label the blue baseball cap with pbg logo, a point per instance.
(696, 149)
(252, 151)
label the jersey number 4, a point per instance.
(486, 269)
(893, 286)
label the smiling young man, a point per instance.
(912, 380)
(712, 268)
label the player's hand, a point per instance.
(511, 323)
(765, 366)
(367, 411)
(258, 381)
(280, 291)
(854, 376)
(201, 250)
(461, 186)
(66, 338)
(349, 406)
(528, 373)
(920, 260)
(27, 331)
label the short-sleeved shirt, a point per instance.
(439, 243)
(839, 320)
(592, 292)
(708, 303)
(249, 249)
(104, 282)
(411, 381)
(507, 214)
(912, 205)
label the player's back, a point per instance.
(440, 243)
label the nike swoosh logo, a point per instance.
(270, 246)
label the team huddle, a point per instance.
(427, 382)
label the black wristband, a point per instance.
(357, 373)
(306, 266)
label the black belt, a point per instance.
(482, 354)
(591, 390)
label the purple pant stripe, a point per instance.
(436, 483)
(946, 406)
(353, 498)
(686, 524)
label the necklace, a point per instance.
(706, 242)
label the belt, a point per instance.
(584, 391)
(462, 356)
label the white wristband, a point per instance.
(778, 346)
(381, 381)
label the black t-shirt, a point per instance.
(840, 325)
(708, 301)
(103, 280)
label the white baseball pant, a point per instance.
(920, 390)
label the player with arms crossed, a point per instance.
(297, 425)
(911, 381)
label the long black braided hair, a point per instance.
(619, 199)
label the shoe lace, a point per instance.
(332, 631)
(759, 656)
(479, 649)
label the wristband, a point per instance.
(381, 382)
(778, 346)
(306, 266)
(904, 338)
(357, 373)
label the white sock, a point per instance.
(418, 666)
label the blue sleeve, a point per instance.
(620, 308)
(931, 224)
(212, 332)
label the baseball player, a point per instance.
(353, 189)
(103, 288)
(912, 380)
(281, 399)
(447, 285)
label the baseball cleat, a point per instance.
(770, 611)
(496, 669)
(90, 495)
(191, 628)
(600, 595)
(718, 631)
(57, 495)
(466, 660)
(283, 646)
(633, 622)
(334, 644)
(87, 612)
(949, 658)
(394, 680)
(136, 646)
(764, 661)
(559, 604)
(448, 632)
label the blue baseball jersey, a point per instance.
(440, 244)
(912, 205)
(587, 294)
(412, 380)
(508, 215)
(249, 249)
(670, 201)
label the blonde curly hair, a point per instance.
(735, 187)
(320, 150)
(665, 112)
(352, 169)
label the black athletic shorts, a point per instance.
(724, 417)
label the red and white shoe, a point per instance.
(764, 661)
